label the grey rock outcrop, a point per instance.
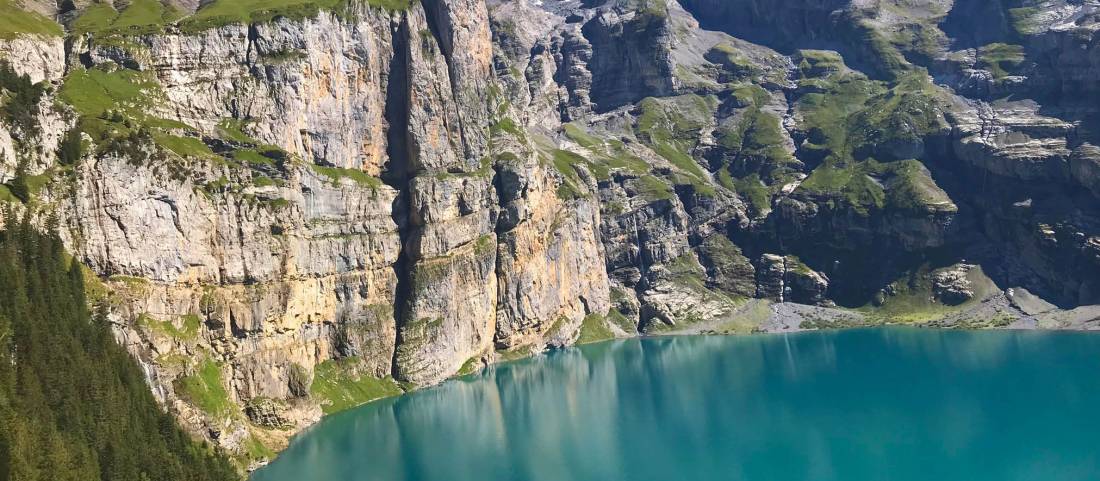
(951, 286)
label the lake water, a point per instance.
(873, 404)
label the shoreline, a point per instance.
(784, 318)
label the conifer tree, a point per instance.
(73, 404)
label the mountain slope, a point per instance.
(73, 404)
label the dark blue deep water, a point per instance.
(874, 404)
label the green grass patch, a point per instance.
(184, 146)
(826, 112)
(94, 92)
(264, 181)
(1000, 59)
(756, 145)
(910, 188)
(577, 134)
(227, 12)
(233, 130)
(606, 155)
(751, 190)
(130, 281)
(731, 59)
(654, 188)
(888, 61)
(672, 128)
(616, 317)
(516, 353)
(818, 63)
(206, 390)
(35, 183)
(746, 319)
(189, 330)
(849, 184)
(904, 186)
(16, 21)
(283, 56)
(337, 174)
(252, 157)
(564, 161)
(140, 17)
(115, 111)
(850, 121)
(506, 125)
(254, 449)
(1025, 20)
(674, 119)
(96, 17)
(905, 114)
(912, 300)
(686, 271)
(145, 16)
(338, 385)
(6, 195)
(471, 366)
(594, 329)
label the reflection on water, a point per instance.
(897, 404)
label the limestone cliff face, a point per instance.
(40, 58)
(316, 88)
(351, 211)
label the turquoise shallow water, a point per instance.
(876, 404)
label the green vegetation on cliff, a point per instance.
(339, 385)
(755, 160)
(671, 127)
(594, 328)
(73, 404)
(1001, 59)
(115, 107)
(226, 12)
(19, 99)
(16, 21)
(137, 18)
(140, 17)
(206, 389)
(863, 135)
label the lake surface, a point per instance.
(874, 404)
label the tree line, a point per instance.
(74, 405)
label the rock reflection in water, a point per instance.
(894, 404)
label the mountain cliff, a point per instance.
(296, 206)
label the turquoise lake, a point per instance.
(869, 404)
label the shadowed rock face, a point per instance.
(637, 42)
(318, 204)
(973, 23)
(802, 24)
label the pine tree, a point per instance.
(71, 148)
(18, 184)
(73, 404)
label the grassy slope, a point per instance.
(15, 21)
(225, 12)
(338, 386)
